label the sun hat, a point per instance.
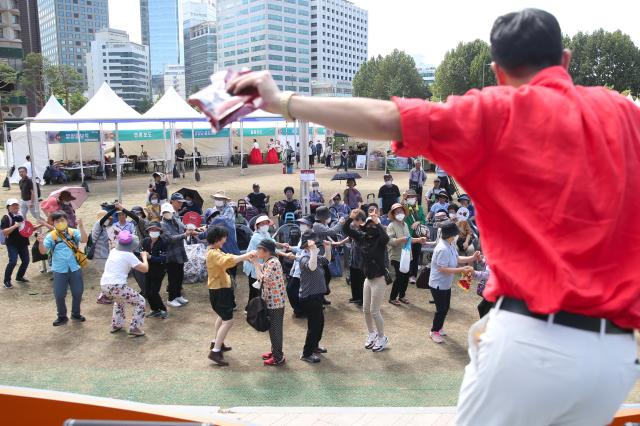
(154, 224)
(166, 207)
(50, 205)
(443, 194)
(391, 213)
(449, 230)
(268, 245)
(127, 241)
(12, 201)
(410, 193)
(322, 213)
(464, 197)
(220, 196)
(263, 218)
(463, 214)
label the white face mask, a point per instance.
(411, 201)
(263, 229)
(218, 203)
(154, 234)
(400, 216)
(388, 182)
(154, 201)
(167, 215)
(452, 216)
(304, 228)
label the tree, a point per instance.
(76, 101)
(393, 75)
(33, 78)
(8, 85)
(605, 58)
(65, 82)
(144, 105)
(464, 68)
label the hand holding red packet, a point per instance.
(220, 106)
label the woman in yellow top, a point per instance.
(220, 290)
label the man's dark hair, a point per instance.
(289, 188)
(360, 216)
(22, 168)
(216, 233)
(58, 215)
(526, 41)
(28, 158)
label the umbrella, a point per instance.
(78, 192)
(346, 175)
(193, 194)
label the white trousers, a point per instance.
(525, 371)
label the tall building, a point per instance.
(162, 30)
(122, 64)
(197, 11)
(30, 26)
(200, 55)
(67, 27)
(428, 73)
(269, 35)
(339, 45)
(173, 76)
(11, 54)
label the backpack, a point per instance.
(258, 315)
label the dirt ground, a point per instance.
(170, 366)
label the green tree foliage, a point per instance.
(144, 105)
(33, 78)
(76, 101)
(605, 58)
(463, 68)
(393, 75)
(65, 83)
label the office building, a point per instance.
(197, 11)
(162, 30)
(67, 27)
(339, 45)
(267, 35)
(428, 73)
(11, 54)
(29, 26)
(173, 76)
(200, 55)
(122, 64)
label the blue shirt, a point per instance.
(445, 255)
(247, 267)
(437, 207)
(62, 258)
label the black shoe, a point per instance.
(78, 317)
(60, 321)
(299, 315)
(357, 301)
(22, 280)
(311, 359)
(320, 350)
(326, 302)
(433, 302)
(7, 284)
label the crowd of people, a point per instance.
(148, 243)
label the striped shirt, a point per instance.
(312, 283)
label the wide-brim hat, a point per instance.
(100, 214)
(261, 219)
(322, 213)
(153, 224)
(167, 207)
(449, 230)
(304, 221)
(50, 205)
(267, 244)
(391, 213)
(127, 241)
(443, 194)
(12, 201)
(464, 197)
(410, 193)
(220, 196)
(306, 237)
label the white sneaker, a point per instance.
(443, 333)
(182, 300)
(381, 343)
(371, 339)
(174, 303)
(436, 337)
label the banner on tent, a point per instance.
(290, 131)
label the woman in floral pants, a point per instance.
(114, 283)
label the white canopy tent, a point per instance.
(19, 147)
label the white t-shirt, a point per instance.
(118, 265)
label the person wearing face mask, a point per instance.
(372, 239)
(67, 273)
(221, 203)
(160, 187)
(191, 206)
(315, 196)
(417, 178)
(388, 194)
(465, 201)
(64, 200)
(465, 239)
(153, 207)
(337, 207)
(324, 232)
(415, 218)
(176, 255)
(293, 282)
(17, 245)
(262, 226)
(399, 234)
(441, 204)
(156, 245)
(444, 266)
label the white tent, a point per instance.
(40, 135)
(638, 101)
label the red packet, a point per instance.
(465, 281)
(220, 106)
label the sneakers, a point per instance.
(115, 329)
(320, 350)
(181, 300)
(224, 347)
(267, 355)
(442, 332)
(136, 332)
(103, 299)
(22, 280)
(7, 284)
(274, 362)
(217, 358)
(60, 321)
(412, 280)
(436, 337)
(381, 343)
(311, 359)
(174, 303)
(158, 314)
(78, 318)
(371, 340)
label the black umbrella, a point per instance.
(195, 196)
(346, 175)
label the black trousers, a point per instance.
(418, 190)
(253, 292)
(416, 258)
(444, 184)
(484, 307)
(152, 285)
(400, 283)
(293, 293)
(327, 160)
(327, 279)
(175, 275)
(357, 283)
(443, 301)
(311, 159)
(343, 164)
(312, 308)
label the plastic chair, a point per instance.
(289, 217)
(242, 207)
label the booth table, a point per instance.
(74, 171)
(157, 164)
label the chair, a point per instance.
(220, 162)
(242, 207)
(289, 217)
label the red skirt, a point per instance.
(272, 156)
(255, 157)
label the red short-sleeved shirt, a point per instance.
(554, 172)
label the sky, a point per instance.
(429, 28)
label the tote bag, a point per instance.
(405, 257)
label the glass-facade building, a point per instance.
(67, 27)
(161, 28)
(269, 35)
(200, 55)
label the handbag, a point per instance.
(422, 281)
(81, 258)
(387, 276)
(92, 244)
(258, 315)
(335, 266)
(36, 256)
(405, 257)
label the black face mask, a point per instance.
(370, 231)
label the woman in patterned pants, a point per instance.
(114, 283)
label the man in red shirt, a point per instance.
(558, 348)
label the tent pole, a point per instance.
(6, 146)
(230, 144)
(164, 148)
(304, 165)
(34, 182)
(101, 152)
(242, 147)
(80, 153)
(172, 140)
(193, 146)
(368, 154)
(118, 166)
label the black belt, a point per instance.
(581, 322)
